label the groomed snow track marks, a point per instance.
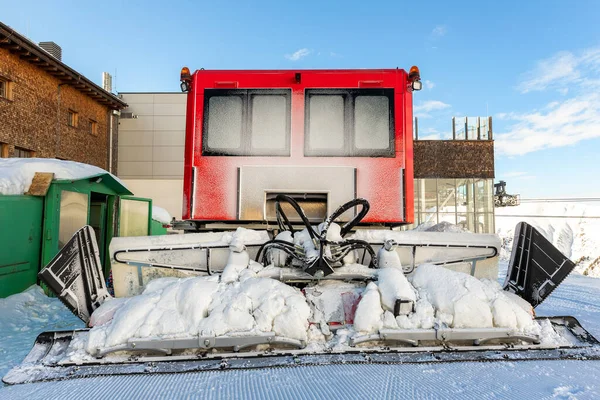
(506, 380)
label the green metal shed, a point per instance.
(33, 229)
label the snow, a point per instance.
(462, 301)
(578, 296)
(369, 314)
(563, 223)
(161, 215)
(25, 315)
(250, 303)
(16, 174)
(394, 285)
(177, 308)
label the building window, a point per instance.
(73, 118)
(465, 202)
(5, 88)
(93, 127)
(23, 153)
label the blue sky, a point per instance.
(534, 66)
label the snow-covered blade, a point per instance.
(75, 274)
(536, 267)
(45, 361)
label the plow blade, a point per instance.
(536, 267)
(75, 275)
(389, 347)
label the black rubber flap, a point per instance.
(75, 274)
(536, 267)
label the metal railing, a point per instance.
(463, 128)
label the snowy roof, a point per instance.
(16, 174)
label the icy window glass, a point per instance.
(372, 122)
(225, 122)
(326, 122)
(269, 122)
(73, 215)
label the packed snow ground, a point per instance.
(564, 224)
(25, 315)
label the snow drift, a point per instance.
(245, 304)
(16, 174)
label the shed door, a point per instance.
(135, 216)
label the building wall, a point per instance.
(165, 193)
(35, 121)
(454, 158)
(151, 146)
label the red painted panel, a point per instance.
(210, 193)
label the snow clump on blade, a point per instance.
(463, 301)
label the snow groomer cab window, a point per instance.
(246, 122)
(349, 123)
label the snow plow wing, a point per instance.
(536, 267)
(75, 275)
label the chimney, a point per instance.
(53, 49)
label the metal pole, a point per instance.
(466, 128)
(453, 128)
(110, 142)
(478, 128)
(416, 128)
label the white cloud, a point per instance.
(561, 71)
(514, 174)
(439, 31)
(565, 124)
(563, 121)
(298, 54)
(429, 85)
(429, 134)
(424, 109)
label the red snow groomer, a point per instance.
(319, 136)
(290, 147)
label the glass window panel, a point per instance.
(429, 218)
(446, 195)
(430, 185)
(73, 215)
(326, 122)
(133, 218)
(466, 221)
(484, 195)
(485, 223)
(224, 122)
(430, 203)
(372, 122)
(447, 217)
(269, 122)
(464, 195)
